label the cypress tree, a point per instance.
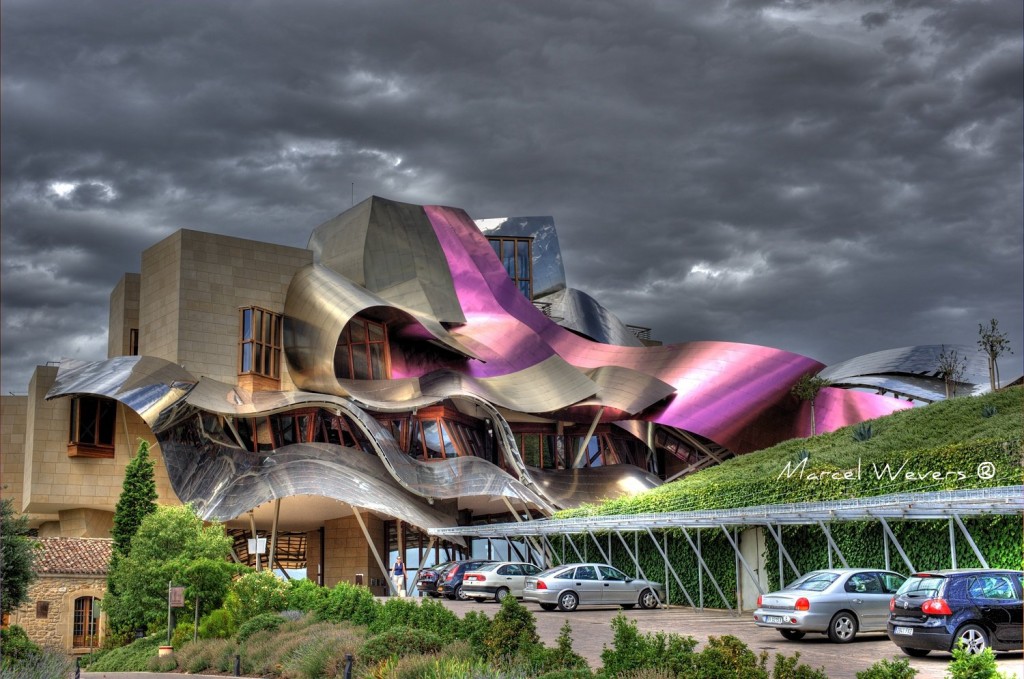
(16, 558)
(137, 501)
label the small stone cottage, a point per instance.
(63, 610)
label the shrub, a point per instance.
(42, 665)
(979, 666)
(254, 593)
(727, 656)
(473, 629)
(16, 644)
(264, 621)
(352, 603)
(584, 673)
(218, 624)
(183, 633)
(512, 632)
(304, 595)
(889, 669)
(399, 642)
(561, 658)
(790, 667)
(205, 654)
(131, 658)
(632, 650)
(162, 663)
(395, 612)
(862, 432)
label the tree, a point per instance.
(17, 556)
(171, 545)
(951, 369)
(807, 388)
(137, 501)
(994, 343)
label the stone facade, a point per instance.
(12, 447)
(68, 570)
(346, 552)
(57, 595)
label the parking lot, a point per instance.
(591, 631)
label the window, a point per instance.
(91, 430)
(86, 624)
(133, 342)
(259, 343)
(516, 255)
(42, 609)
(362, 352)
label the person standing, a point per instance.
(398, 576)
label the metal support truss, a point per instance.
(949, 506)
(743, 561)
(636, 562)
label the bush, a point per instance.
(513, 631)
(264, 621)
(218, 624)
(967, 666)
(473, 629)
(399, 642)
(183, 633)
(162, 663)
(254, 593)
(561, 659)
(206, 654)
(790, 667)
(727, 656)
(16, 644)
(632, 650)
(305, 595)
(131, 658)
(352, 603)
(42, 665)
(889, 669)
(395, 612)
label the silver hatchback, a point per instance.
(588, 584)
(839, 602)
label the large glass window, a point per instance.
(362, 352)
(91, 428)
(516, 255)
(259, 343)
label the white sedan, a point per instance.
(497, 580)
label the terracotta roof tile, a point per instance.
(74, 556)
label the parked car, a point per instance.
(982, 608)
(497, 580)
(590, 584)
(839, 602)
(426, 579)
(449, 583)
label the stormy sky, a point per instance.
(830, 178)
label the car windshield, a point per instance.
(816, 581)
(921, 586)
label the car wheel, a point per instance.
(974, 639)
(915, 652)
(648, 599)
(792, 634)
(843, 627)
(459, 595)
(568, 601)
(548, 607)
(500, 595)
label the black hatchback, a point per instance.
(426, 578)
(449, 582)
(981, 608)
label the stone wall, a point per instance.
(346, 553)
(12, 447)
(124, 315)
(58, 594)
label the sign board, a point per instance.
(257, 546)
(176, 597)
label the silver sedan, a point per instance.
(497, 580)
(587, 584)
(838, 602)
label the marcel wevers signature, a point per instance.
(984, 471)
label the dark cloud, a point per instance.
(828, 178)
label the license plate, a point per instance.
(773, 619)
(907, 631)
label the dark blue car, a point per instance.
(981, 608)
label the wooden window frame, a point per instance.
(262, 352)
(85, 632)
(344, 350)
(514, 241)
(97, 448)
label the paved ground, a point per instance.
(591, 631)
